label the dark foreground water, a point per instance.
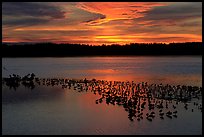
(47, 109)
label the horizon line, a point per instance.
(58, 43)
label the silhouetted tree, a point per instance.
(52, 49)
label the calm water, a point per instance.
(54, 110)
(171, 70)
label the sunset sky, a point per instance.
(102, 22)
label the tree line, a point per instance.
(66, 49)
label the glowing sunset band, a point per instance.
(102, 22)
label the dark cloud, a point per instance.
(31, 9)
(124, 14)
(135, 6)
(191, 24)
(39, 33)
(173, 18)
(24, 22)
(174, 12)
(64, 33)
(97, 17)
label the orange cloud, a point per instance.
(117, 10)
(103, 22)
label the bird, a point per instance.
(175, 112)
(175, 115)
(160, 110)
(5, 68)
(162, 117)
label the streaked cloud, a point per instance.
(33, 9)
(102, 22)
(173, 13)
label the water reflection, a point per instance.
(185, 70)
(140, 100)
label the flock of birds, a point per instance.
(138, 99)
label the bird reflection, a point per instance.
(155, 99)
